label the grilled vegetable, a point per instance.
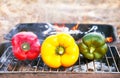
(25, 46)
(93, 46)
(59, 50)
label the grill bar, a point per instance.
(114, 59)
(107, 64)
(101, 65)
(79, 64)
(37, 64)
(117, 51)
(5, 56)
(94, 65)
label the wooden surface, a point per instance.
(59, 75)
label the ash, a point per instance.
(92, 67)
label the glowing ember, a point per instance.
(109, 39)
(64, 28)
(75, 27)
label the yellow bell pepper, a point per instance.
(59, 50)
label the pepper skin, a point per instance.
(59, 50)
(93, 46)
(25, 46)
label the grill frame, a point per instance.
(60, 74)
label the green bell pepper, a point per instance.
(93, 46)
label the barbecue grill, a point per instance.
(108, 66)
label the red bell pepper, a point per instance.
(25, 46)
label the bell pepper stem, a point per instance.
(60, 50)
(92, 49)
(25, 46)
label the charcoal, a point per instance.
(10, 67)
(90, 70)
(13, 66)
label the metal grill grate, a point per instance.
(109, 63)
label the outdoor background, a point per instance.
(13, 12)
